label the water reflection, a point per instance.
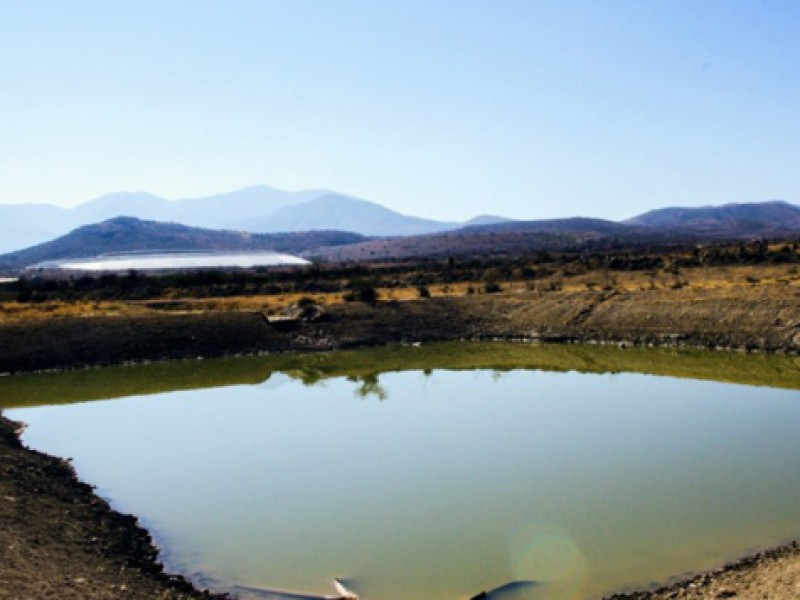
(368, 385)
(310, 370)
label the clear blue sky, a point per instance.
(443, 109)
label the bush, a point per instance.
(424, 292)
(361, 291)
(492, 288)
(305, 302)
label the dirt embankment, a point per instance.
(59, 540)
(766, 319)
(771, 574)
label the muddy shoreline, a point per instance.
(772, 573)
(60, 540)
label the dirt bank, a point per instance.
(59, 540)
(765, 319)
(771, 574)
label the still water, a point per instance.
(443, 480)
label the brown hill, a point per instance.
(752, 219)
(126, 234)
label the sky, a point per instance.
(439, 108)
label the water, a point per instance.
(173, 260)
(439, 483)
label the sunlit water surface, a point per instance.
(441, 484)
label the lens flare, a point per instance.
(547, 554)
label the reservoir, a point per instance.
(439, 472)
(173, 261)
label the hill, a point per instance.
(322, 220)
(345, 213)
(751, 219)
(486, 220)
(126, 234)
(580, 225)
(501, 239)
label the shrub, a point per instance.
(24, 295)
(361, 291)
(305, 302)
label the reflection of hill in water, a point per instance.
(364, 367)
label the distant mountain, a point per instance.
(752, 219)
(220, 210)
(486, 220)
(262, 209)
(498, 239)
(665, 226)
(23, 225)
(126, 234)
(336, 211)
(142, 205)
(227, 209)
(258, 209)
(581, 225)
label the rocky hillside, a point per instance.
(125, 234)
(753, 219)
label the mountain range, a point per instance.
(259, 209)
(335, 227)
(773, 219)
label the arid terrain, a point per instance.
(743, 308)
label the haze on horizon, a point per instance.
(440, 109)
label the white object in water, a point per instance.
(343, 591)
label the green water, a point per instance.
(441, 471)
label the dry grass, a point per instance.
(715, 279)
(700, 278)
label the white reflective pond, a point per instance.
(174, 260)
